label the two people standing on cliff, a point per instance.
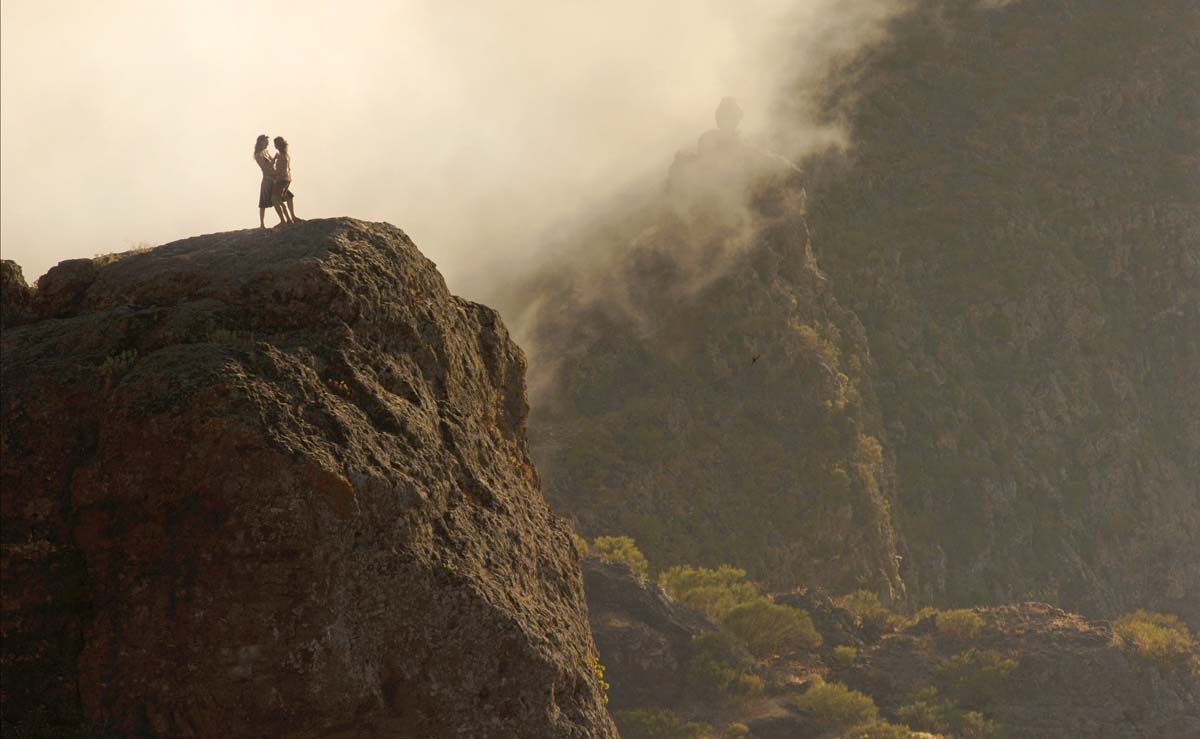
(275, 192)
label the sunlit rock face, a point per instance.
(1018, 229)
(269, 483)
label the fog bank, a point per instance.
(478, 128)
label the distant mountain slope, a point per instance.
(707, 394)
(1018, 229)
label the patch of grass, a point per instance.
(101, 260)
(1159, 637)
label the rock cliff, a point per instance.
(989, 371)
(269, 483)
(645, 639)
(702, 390)
(1018, 229)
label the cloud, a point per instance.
(477, 127)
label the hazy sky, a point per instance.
(474, 126)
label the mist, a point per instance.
(478, 129)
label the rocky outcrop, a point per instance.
(1068, 677)
(1036, 671)
(1018, 228)
(15, 296)
(270, 483)
(645, 639)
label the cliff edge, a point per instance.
(277, 483)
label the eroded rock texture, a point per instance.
(272, 484)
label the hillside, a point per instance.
(1020, 670)
(1018, 229)
(965, 369)
(268, 483)
(700, 388)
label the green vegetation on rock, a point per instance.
(717, 669)
(1159, 637)
(870, 611)
(976, 677)
(770, 629)
(929, 712)
(621, 549)
(713, 592)
(660, 723)
(835, 706)
(961, 623)
(843, 656)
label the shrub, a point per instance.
(716, 671)
(769, 629)
(878, 730)
(843, 656)
(712, 592)
(866, 606)
(926, 711)
(581, 544)
(976, 676)
(835, 706)
(1160, 637)
(645, 723)
(737, 730)
(961, 623)
(621, 549)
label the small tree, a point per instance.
(878, 730)
(843, 657)
(870, 611)
(719, 670)
(770, 629)
(837, 707)
(961, 623)
(976, 677)
(712, 592)
(926, 711)
(621, 549)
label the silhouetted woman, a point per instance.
(281, 195)
(266, 163)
